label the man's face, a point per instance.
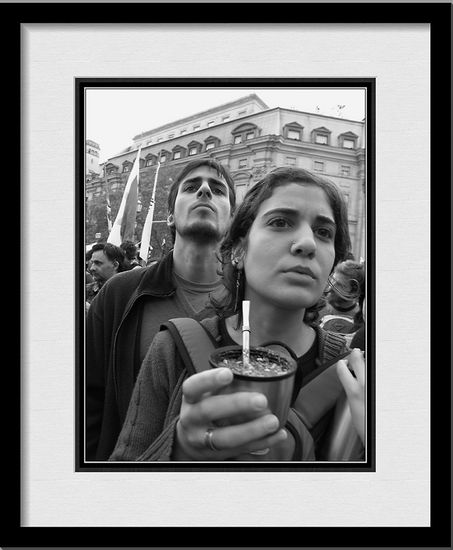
(101, 267)
(202, 207)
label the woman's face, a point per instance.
(289, 251)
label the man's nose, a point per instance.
(204, 190)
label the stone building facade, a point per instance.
(250, 139)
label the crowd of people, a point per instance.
(286, 249)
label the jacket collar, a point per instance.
(158, 279)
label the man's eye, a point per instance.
(218, 191)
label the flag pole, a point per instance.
(147, 228)
(107, 197)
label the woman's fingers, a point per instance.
(357, 363)
(256, 435)
(208, 381)
(232, 407)
(239, 435)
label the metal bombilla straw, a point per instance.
(245, 333)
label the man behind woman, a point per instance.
(283, 243)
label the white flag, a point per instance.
(123, 227)
(146, 234)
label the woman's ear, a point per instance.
(238, 255)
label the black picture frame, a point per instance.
(81, 87)
(438, 534)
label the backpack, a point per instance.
(321, 401)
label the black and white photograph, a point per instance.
(230, 242)
(225, 273)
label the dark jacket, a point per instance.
(112, 349)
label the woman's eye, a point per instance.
(218, 191)
(189, 188)
(325, 232)
(279, 222)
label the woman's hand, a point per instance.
(354, 388)
(206, 429)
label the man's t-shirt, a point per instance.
(190, 300)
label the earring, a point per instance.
(170, 219)
(238, 284)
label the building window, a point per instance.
(321, 139)
(225, 118)
(183, 131)
(348, 144)
(126, 168)
(249, 135)
(237, 139)
(210, 145)
(345, 170)
(211, 123)
(242, 163)
(149, 142)
(149, 161)
(294, 134)
(177, 155)
(348, 140)
(159, 139)
(196, 127)
(193, 151)
(163, 158)
(291, 161)
(318, 166)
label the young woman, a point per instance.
(283, 243)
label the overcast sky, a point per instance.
(115, 115)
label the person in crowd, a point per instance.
(88, 276)
(130, 252)
(345, 293)
(283, 243)
(130, 308)
(106, 260)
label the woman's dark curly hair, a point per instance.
(246, 214)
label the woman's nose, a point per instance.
(305, 243)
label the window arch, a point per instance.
(211, 142)
(293, 130)
(321, 136)
(194, 148)
(111, 168)
(164, 155)
(348, 140)
(150, 159)
(245, 132)
(179, 152)
(127, 166)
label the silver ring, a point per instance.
(260, 451)
(208, 440)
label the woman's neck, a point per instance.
(269, 324)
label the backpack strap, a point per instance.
(321, 393)
(193, 341)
